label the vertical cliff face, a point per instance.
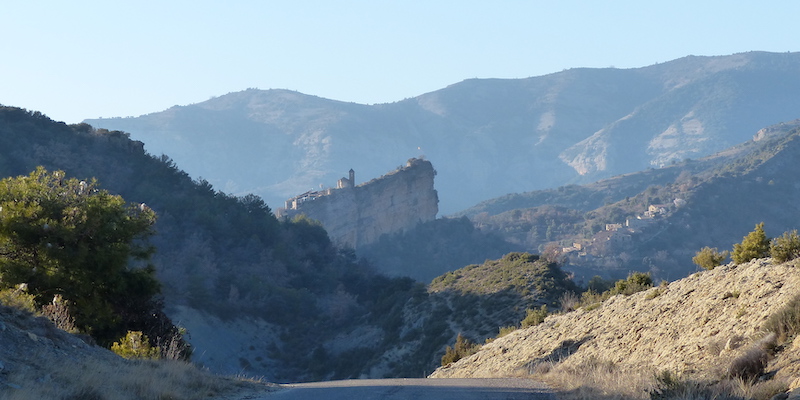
(358, 215)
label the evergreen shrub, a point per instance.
(136, 345)
(534, 317)
(785, 247)
(755, 245)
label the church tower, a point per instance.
(347, 182)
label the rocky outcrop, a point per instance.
(357, 215)
(698, 323)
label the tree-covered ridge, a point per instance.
(434, 248)
(474, 302)
(525, 274)
(216, 252)
(578, 197)
(738, 159)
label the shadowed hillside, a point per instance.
(220, 255)
(258, 295)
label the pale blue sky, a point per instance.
(86, 59)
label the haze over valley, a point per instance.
(260, 200)
(486, 137)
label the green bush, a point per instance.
(653, 294)
(505, 330)
(591, 300)
(709, 258)
(18, 298)
(599, 285)
(785, 247)
(63, 236)
(636, 282)
(462, 348)
(136, 345)
(755, 245)
(534, 317)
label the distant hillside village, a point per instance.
(357, 215)
(618, 237)
(295, 203)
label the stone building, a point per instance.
(357, 215)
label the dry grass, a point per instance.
(120, 379)
(569, 301)
(43, 362)
(600, 380)
(596, 379)
(785, 323)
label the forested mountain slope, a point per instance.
(487, 137)
(263, 296)
(217, 253)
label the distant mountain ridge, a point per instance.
(487, 137)
(712, 201)
(596, 194)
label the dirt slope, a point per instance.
(40, 361)
(694, 325)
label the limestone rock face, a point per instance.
(358, 215)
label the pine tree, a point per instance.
(65, 237)
(755, 245)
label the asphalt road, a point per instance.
(408, 389)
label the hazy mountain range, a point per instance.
(319, 312)
(485, 137)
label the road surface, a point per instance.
(408, 389)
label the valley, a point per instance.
(546, 217)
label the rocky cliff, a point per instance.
(357, 215)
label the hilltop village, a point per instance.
(357, 215)
(618, 237)
(296, 202)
